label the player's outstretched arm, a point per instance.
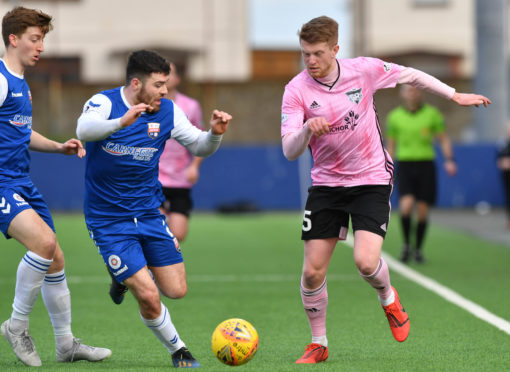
(73, 147)
(422, 80)
(219, 122)
(467, 99)
(42, 144)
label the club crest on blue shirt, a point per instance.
(153, 130)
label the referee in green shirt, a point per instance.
(412, 129)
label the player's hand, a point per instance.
(318, 126)
(450, 167)
(219, 122)
(467, 99)
(133, 113)
(73, 147)
(192, 174)
(504, 163)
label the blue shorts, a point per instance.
(15, 198)
(127, 245)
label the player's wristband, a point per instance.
(450, 159)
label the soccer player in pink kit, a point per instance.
(329, 108)
(178, 168)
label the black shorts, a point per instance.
(177, 200)
(328, 209)
(417, 178)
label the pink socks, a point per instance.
(380, 280)
(315, 303)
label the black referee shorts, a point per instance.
(417, 178)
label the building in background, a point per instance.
(439, 37)
(91, 40)
(211, 41)
(210, 37)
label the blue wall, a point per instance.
(261, 175)
(478, 178)
(60, 179)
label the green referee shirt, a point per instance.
(414, 132)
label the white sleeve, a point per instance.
(183, 132)
(205, 145)
(4, 87)
(198, 142)
(93, 123)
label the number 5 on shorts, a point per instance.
(307, 222)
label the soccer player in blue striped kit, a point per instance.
(24, 215)
(126, 129)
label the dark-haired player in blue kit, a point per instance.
(126, 129)
(24, 215)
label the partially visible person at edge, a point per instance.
(24, 214)
(412, 129)
(179, 170)
(329, 108)
(504, 166)
(126, 130)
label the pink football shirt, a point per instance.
(352, 153)
(175, 158)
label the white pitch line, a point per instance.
(442, 291)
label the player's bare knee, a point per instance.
(45, 246)
(150, 304)
(178, 290)
(312, 278)
(366, 267)
(181, 290)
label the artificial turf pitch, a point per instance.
(248, 266)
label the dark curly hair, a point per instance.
(142, 63)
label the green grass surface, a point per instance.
(249, 267)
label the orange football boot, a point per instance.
(398, 319)
(314, 353)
